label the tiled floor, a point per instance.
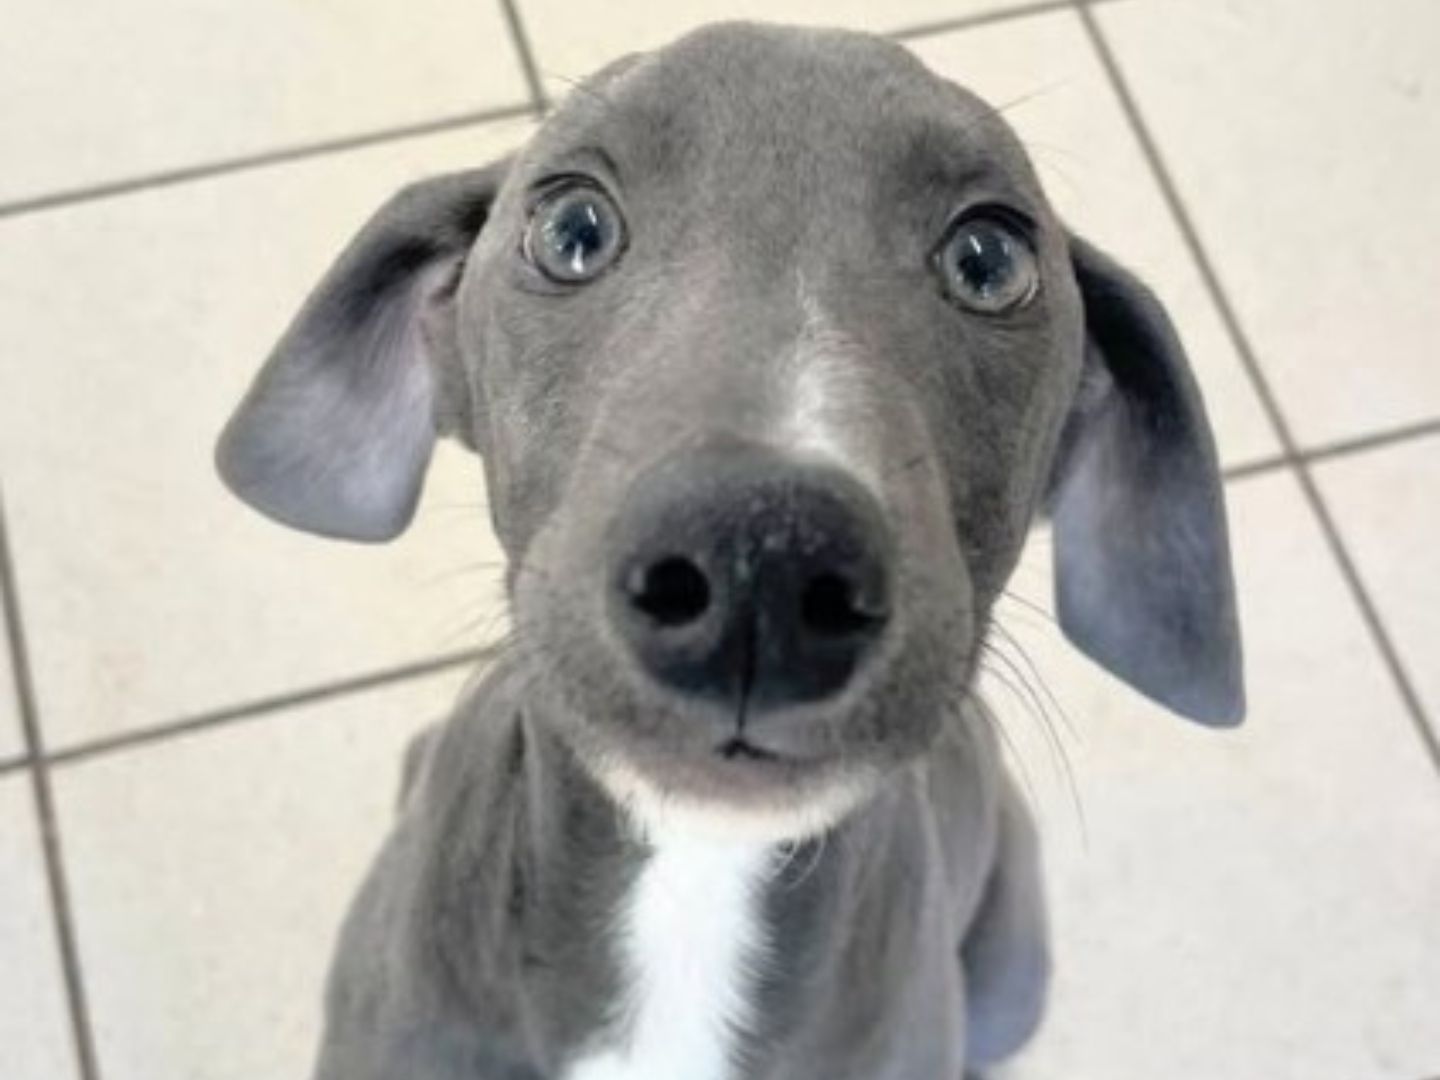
(222, 703)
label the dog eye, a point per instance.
(574, 233)
(988, 265)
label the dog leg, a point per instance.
(1006, 952)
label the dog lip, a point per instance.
(739, 748)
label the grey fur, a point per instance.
(766, 174)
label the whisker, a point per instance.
(791, 851)
(996, 723)
(479, 629)
(1031, 606)
(447, 577)
(1038, 92)
(1031, 702)
(581, 87)
(1055, 150)
(1034, 673)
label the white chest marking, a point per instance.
(691, 938)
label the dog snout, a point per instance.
(742, 575)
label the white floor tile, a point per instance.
(1251, 903)
(34, 1021)
(1385, 502)
(1305, 138)
(210, 875)
(1043, 73)
(132, 327)
(572, 40)
(97, 91)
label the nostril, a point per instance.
(830, 607)
(673, 591)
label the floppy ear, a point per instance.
(337, 429)
(1142, 558)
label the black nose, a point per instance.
(739, 574)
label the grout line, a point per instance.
(984, 18)
(1259, 467)
(264, 706)
(282, 156)
(1428, 736)
(1374, 441)
(538, 101)
(51, 850)
(1340, 448)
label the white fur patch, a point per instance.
(824, 397)
(792, 817)
(691, 932)
(691, 937)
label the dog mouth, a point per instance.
(741, 748)
(741, 763)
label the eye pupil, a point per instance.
(986, 261)
(574, 234)
(989, 266)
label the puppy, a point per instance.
(772, 350)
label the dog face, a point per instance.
(773, 349)
(777, 290)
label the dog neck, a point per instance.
(685, 938)
(609, 943)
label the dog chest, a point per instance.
(689, 936)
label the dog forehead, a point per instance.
(768, 61)
(744, 95)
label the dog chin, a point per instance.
(735, 800)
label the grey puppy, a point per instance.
(773, 351)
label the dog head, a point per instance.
(773, 351)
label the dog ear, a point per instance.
(1142, 558)
(336, 431)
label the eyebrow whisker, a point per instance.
(582, 86)
(1026, 98)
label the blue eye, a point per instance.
(988, 265)
(575, 233)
